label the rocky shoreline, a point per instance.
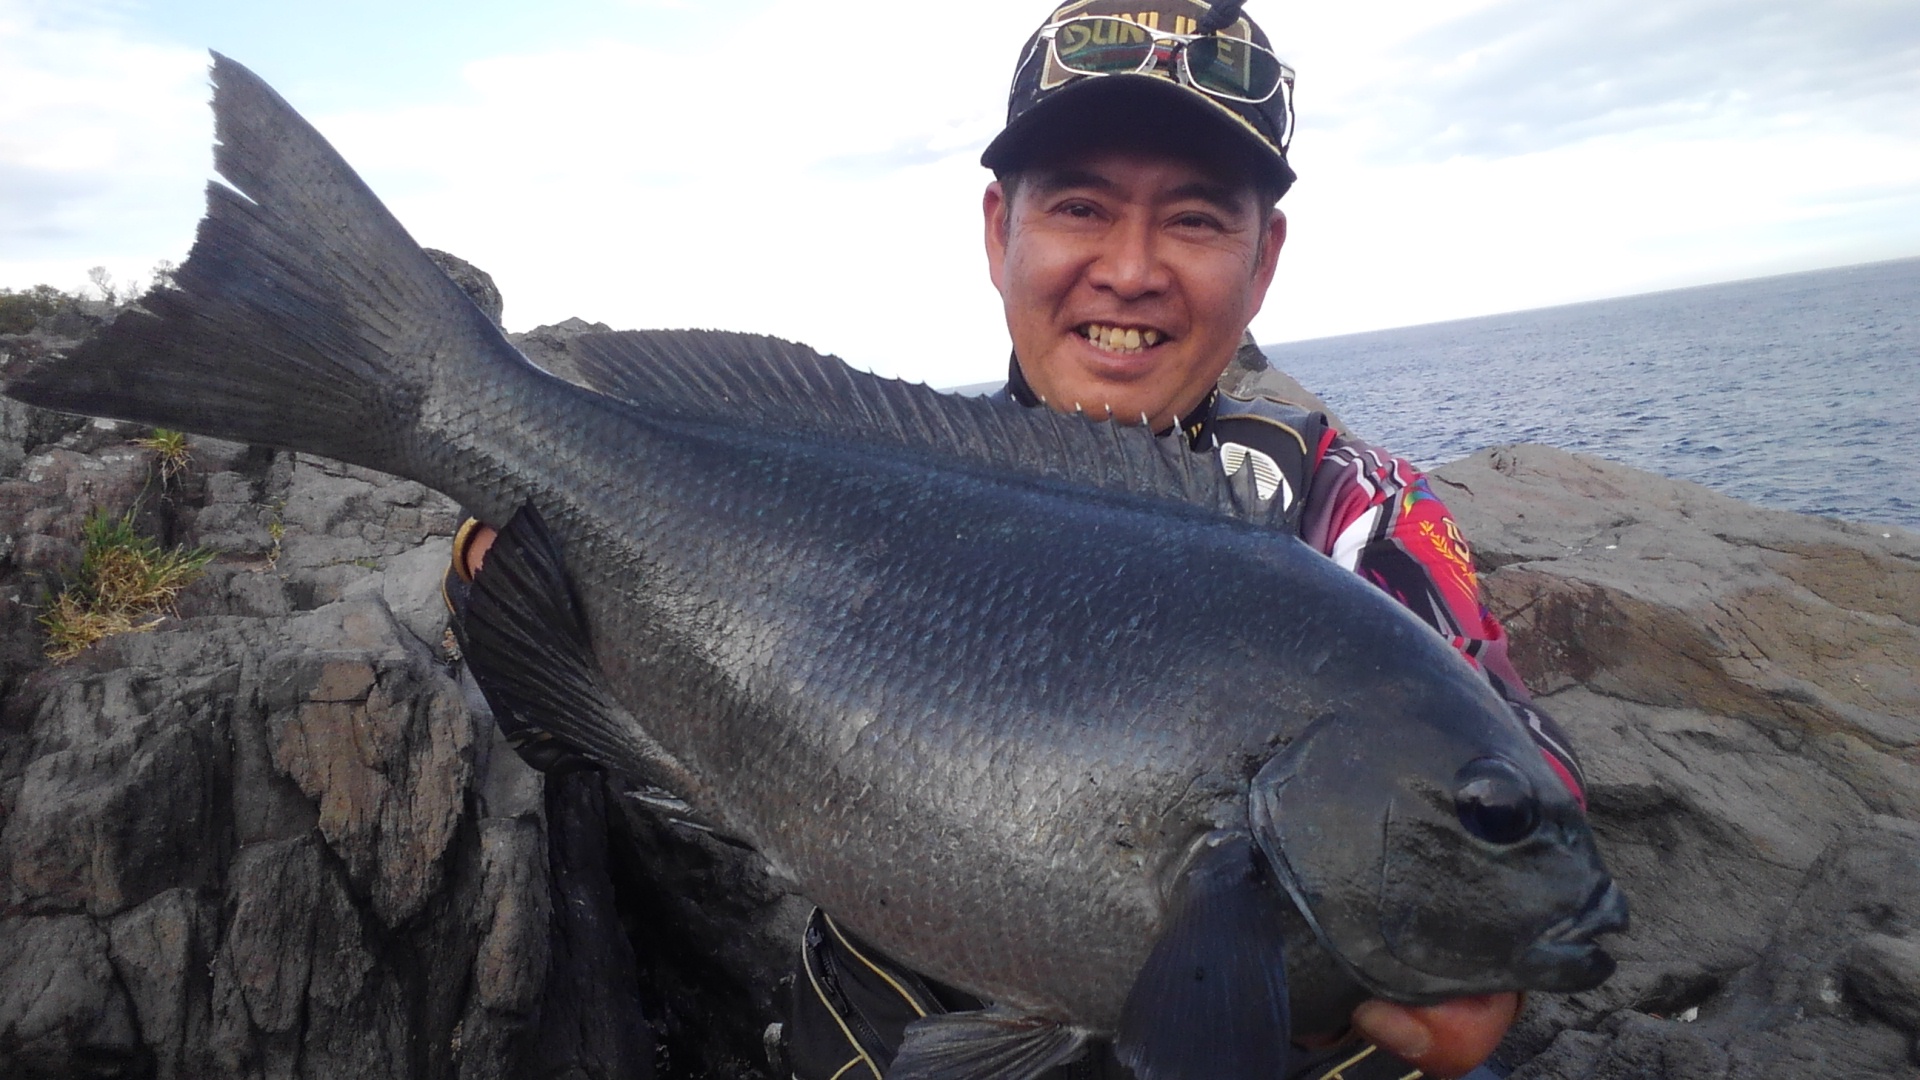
(278, 836)
(1744, 687)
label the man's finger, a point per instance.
(476, 552)
(1443, 1040)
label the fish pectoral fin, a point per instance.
(1211, 1001)
(990, 1044)
(526, 641)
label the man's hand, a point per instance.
(476, 551)
(1443, 1040)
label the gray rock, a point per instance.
(1741, 684)
(160, 952)
(60, 1006)
(1882, 973)
(1251, 374)
(102, 827)
(278, 835)
(475, 282)
(549, 346)
(379, 741)
(254, 841)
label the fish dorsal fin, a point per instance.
(765, 382)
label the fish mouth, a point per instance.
(1566, 959)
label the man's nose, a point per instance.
(1129, 264)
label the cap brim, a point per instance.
(1076, 114)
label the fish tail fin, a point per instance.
(305, 317)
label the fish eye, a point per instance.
(1496, 801)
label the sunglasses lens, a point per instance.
(1102, 46)
(1233, 68)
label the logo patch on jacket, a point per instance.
(1267, 477)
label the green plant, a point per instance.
(171, 455)
(126, 583)
(276, 531)
(19, 311)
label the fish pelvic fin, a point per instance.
(1211, 1002)
(528, 646)
(305, 317)
(988, 1044)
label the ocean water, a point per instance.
(1799, 392)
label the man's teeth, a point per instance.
(1117, 339)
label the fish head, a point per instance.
(1440, 858)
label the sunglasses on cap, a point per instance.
(1228, 68)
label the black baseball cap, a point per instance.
(1096, 63)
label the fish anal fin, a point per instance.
(989, 1044)
(1211, 1001)
(526, 640)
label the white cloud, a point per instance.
(1421, 242)
(1504, 154)
(94, 129)
(812, 181)
(1521, 76)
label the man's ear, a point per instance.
(997, 210)
(1274, 239)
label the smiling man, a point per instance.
(1132, 232)
(1128, 271)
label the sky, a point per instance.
(812, 170)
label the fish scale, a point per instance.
(1037, 706)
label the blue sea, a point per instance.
(1799, 392)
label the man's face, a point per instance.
(1128, 279)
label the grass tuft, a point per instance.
(171, 455)
(126, 584)
(277, 532)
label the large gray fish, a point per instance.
(1041, 707)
